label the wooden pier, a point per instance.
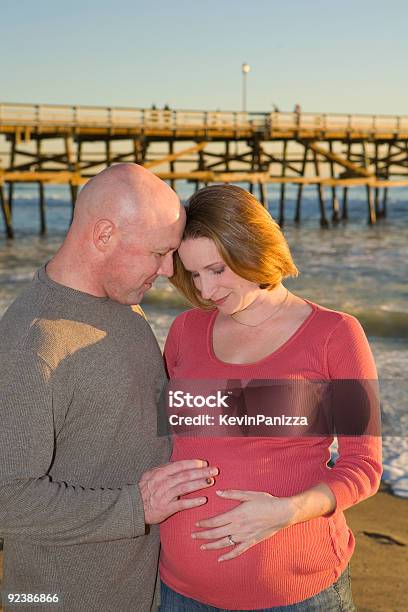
(45, 144)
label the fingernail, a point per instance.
(220, 560)
(193, 535)
(214, 471)
(203, 547)
(220, 492)
(197, 525)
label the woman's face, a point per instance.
(214, 279)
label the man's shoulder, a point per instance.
(17, 321)
(36, 323)
(137, 309)
(23, 359)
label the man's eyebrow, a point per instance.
(165, 248)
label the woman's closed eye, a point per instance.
(218, 271)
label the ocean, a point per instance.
(350, 267)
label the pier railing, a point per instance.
(37, 116)
(50, 143)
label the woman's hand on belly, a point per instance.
(258, 517)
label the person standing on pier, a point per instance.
(83, 478)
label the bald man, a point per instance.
(83, 475)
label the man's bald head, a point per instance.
(126, 194)
(127, 224)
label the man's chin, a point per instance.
(139, 295)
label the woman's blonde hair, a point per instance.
(249, 241)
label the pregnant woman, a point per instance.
(273, 534)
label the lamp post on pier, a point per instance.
(245, 69)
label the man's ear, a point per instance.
(102, 234)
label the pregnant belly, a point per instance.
(197, 573)
(259, 577)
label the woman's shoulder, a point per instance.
(331, 320)
(191, 319)
(346, 348)
(186, 331)
(344, 339)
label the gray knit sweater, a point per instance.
(79, 381)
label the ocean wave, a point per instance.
(165, 298)
(20, 277)
(382, 323)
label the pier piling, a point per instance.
(41, 199)
(372, 217)
(5, 209)
(283, 185)
(384, 203)
(344, 212)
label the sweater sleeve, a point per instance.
(34, 507)
(357, 472)
(173, 341)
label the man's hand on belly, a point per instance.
(162, 487)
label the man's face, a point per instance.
(139, 258)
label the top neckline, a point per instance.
(66, 292)
(282, 347)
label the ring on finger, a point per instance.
(231, 540)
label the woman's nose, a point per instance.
(206, 289)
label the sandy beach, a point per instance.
(380, 563)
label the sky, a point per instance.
(326, 55)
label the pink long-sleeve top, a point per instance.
(301, 560)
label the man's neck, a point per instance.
(71, 271)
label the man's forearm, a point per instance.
(42, 511)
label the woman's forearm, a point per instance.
(312, 503)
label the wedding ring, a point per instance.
(231, 541)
